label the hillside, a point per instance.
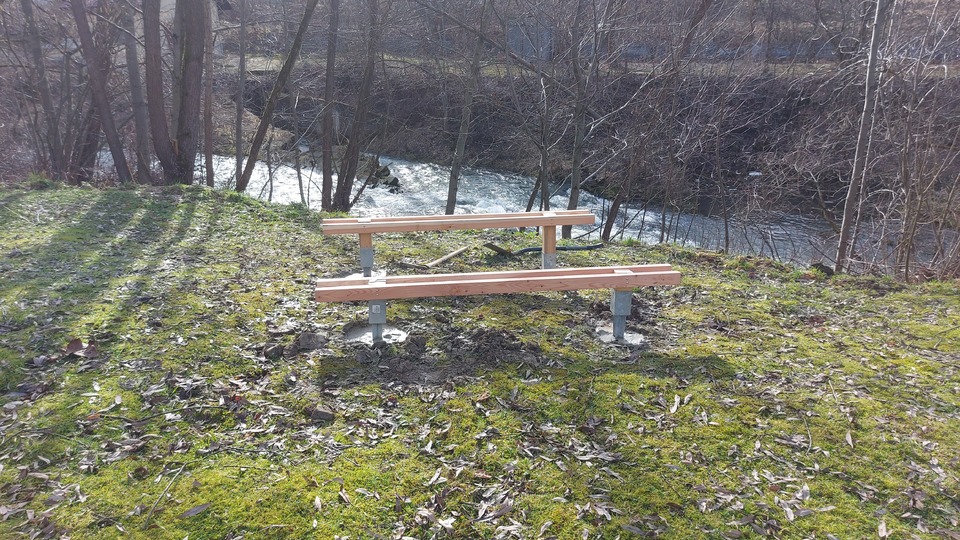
(165, 373)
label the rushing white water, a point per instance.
(423, 190)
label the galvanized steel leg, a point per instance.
(549, 260)
(366, 254)
(549, 253)
(377, 315)
(620, 307)
(366, 261)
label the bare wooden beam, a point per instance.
(457, 222)
(564, 279)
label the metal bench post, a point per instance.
(366, 254)
(549, 254)
(377, 316)
(620, 302)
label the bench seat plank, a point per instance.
(456, 222)
(563, 279)
(357, 280)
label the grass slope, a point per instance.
(166, 373)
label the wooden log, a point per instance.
(498, 249)
(431, 264)
(447, 257)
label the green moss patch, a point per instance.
(166, 373)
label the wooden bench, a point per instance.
(621, 279)
(367, 227)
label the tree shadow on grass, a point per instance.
(9, 217)
(442, 347)
(58, 283)
(500, 353)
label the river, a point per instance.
(423, 190)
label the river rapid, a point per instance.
(423, 190)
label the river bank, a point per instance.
(744, 147)
(724, 127)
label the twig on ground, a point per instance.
(152, 416)
(146, 523)
(809, 434)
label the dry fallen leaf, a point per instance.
(194, 511)
(882, 529)
(75, 345)
(676, 404)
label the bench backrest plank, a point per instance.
(456, 222)
(624, 277)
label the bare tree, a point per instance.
(267, 117)
(208, 94)
(240, 92)
(329, 91)
(137, 99)
(156, 107)
(470, 89)
(881, 8)
(98, 71)
(351, 158)
(53, 138)
(192, 16)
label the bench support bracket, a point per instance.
(620, 301)
(549, 254)
(377, 316)
(366, 254)
(366, 261)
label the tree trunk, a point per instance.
(579, 116)
(192, 15)
(351, 158)
(623, 195)
(271, 104)
(86, 146)
(97, 71)
(465, 113)
(543, 165)
(866, 120)
(156, 109)
(208, 95)
(329, 92)
(241, 88)
(140, 118)
(53, 139)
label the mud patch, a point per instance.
(457, 355)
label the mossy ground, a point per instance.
(772, 402)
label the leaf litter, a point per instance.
(750, 423)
